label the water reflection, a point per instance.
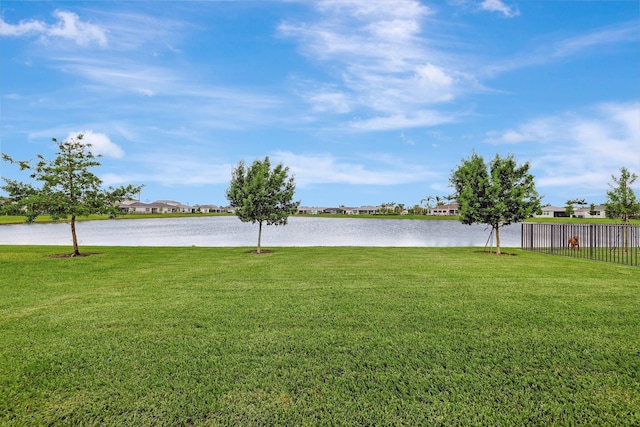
(229, 231)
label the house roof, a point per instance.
(452, 205)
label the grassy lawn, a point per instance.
(316, 336)
(16, 219)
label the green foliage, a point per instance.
(498, 194)
(316, 336)
(569, 209)
(69, 189)
(622, 201)
(260, 194)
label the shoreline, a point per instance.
(45, 219)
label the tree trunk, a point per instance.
(497, 228)
(76, 252)
(259, 235)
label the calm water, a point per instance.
(230, 231)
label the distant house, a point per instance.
(209, 209)
(305, 210)
(367, 210)
(176, 207)
(445, 210)
(332, 210)
(586, 212)
(551, 211)
(161, 207)
(137, 207)
(132, 207)
(362, 210)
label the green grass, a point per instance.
(16, 219)
(630, 256)
(316, 336)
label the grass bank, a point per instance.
(314, 336)
(17, 219)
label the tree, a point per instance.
(498, 194)
(68, 188)
(622, 201)
(427, 201)
(581, 202)
(417, 210)
(386, 208)
(569, 209)
(260, 194)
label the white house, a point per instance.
(305, 210)
(209, 209)
(445, 210)
(551, 211)
(367, 210)
(136, 207)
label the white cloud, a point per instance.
(69, 26)
(500, 7)
(310, 169)
(174, 171)
(627, 32)
(580, 149)
(100, 143)
(539, 130)
(386, 62)
(508, 137)
(402, 121)
(122, 75)
(178, 94)
(615, 34)
(21, 29)
(330, 100)
(406, 139)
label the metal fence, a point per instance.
(602, 242)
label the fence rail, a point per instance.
(615, 243)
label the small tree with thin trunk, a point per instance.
(69, 189)
(569, 210)
(496, 194)
(260, 194)
(622, 201)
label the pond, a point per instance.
(230, 231)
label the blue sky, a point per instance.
(367, 102)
